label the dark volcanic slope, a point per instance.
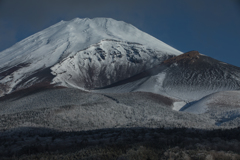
(189, 76)
(194, 69)
(193, 75)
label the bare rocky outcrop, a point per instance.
(188, 57)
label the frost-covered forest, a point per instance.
(82, 123)
(72, 109)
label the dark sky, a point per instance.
(210, 26)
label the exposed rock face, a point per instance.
(188, 57)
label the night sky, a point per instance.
(210, 26)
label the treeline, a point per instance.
(144, 143)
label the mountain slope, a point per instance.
(216, 101)
(104, 63)
(65, 39)
(187, 77)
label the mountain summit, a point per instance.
(82, 53)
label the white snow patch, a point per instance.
(178, 105)
(220, 99)
(153, 84)
(197, 108)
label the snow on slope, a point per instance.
(191, 76)
(104, 63)
(223, 107)
(187, 77)
(64, 39)
(224, 99)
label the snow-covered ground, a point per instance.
(224, 99)
(177, 106)
(72, 109)
(223, 106)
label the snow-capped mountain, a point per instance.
(81, 53)
(104, 53)
(91, 81)
(188, 77)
